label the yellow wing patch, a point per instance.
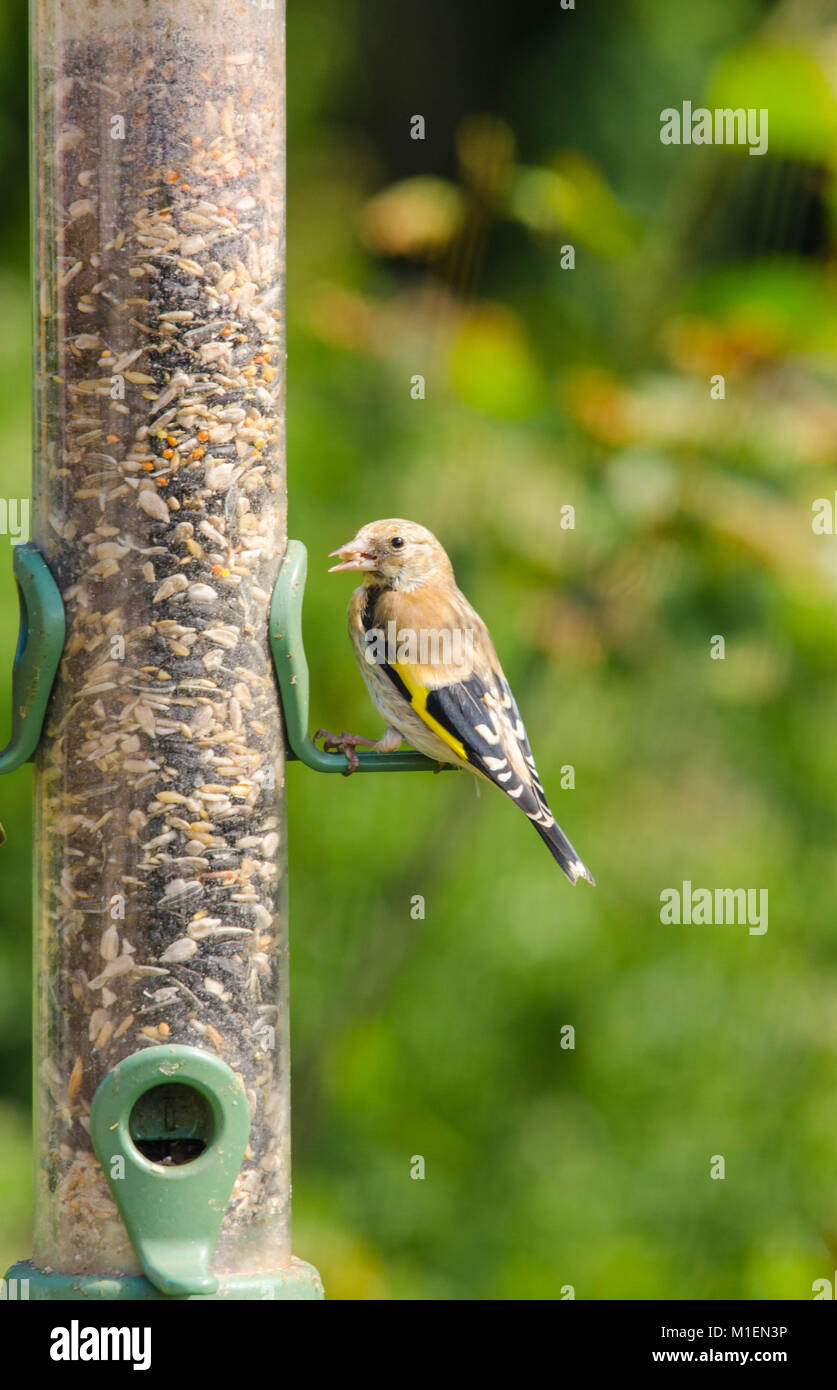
(418, 702)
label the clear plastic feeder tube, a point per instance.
(160, 506)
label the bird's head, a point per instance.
(397, 553)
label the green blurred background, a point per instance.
(546, 386)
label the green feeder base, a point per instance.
(25, 1280)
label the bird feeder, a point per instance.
(154, 622)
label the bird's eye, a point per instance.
(397, 542)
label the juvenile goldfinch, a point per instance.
(431, 669)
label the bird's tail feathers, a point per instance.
(562, 851)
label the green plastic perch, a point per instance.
(39, 646)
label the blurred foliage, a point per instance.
(547, 386)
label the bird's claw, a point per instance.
(344, 743)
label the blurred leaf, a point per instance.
(493, 367)
(792, 86)
(770, 306)
(417, 218)
(570, 198)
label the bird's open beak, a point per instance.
(353, 558)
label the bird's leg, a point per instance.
(389, 741)
(344, 743)
(349, 743)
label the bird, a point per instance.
(430, 667)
